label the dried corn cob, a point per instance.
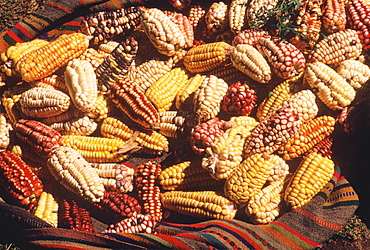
(200, 204)
(149, 142)
(216, 18)
(312, 174)
(180, 4)
(196, 13)
(105, 25)
(239, 99)
(324, 148)
(248, 60)
(207, 57)
(332, 89)
(237, 19)
(44, 61)
(249, 36)
(39, 102)
(80, 79)
(10, 102)
(107, 48)
(135, 104)
(5, 128)
(229, 73)
(185, 26)
(100, 110)
(357, 12)
(334, 16)
(207, 98)
(163, 92)
(165, 35)
(337, 47)
(122, 204)
(75, 217)
(83, 125)
(138, 223)
(66, 116)
(249, 177)
(355, 72)
(246, 121)
(47, 208)
(259, 8)
(75, 173)
(183, 99)
(53, 81)
(42, 138)
(172, 125)
(225, 152)
(309, 134)
(279, 171)
(93, 56)
(19, 181)
(96, 149)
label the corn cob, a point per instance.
(96, 149)
(100, 110)
(115, 176)
(47, 208)
(163, 92)
(207, 57)
(199, 204)
(180, 4)
(334, 16)
(5, 128)
(138, 223)
(259, 8)
(105, 25)
(80, 79)
(19, 181)
(183, 99)
(39, 102)
(357, 12)
(225, 152)
(93, 56)
(237, 19)
(273, 132)
(207, 98)
(122, 204)
(149, 142)
(324, 148)
(248, 60)
(196, 13)
(117, 63)
(107, 48)
(337, 47)
(66, 116)
(280, 170)
(53, 81)
(165, 35)
(42, 138)
(312, 174)
(285, 59)
(309, 134)
(75, 173)
(249, 36)
(173, 126)
(249, 177)
(246, 121)
(185, 26)
(135, 104)
(229, 73)
(83, 125)
(216, 18)
(239, 99)
(332, 89)
(10, 102)
(355, 72)
(75, 217)
(44, 61)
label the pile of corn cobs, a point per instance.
(245, 110)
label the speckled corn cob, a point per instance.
(135, 104)
(332, 88)
(5, 128)
(309, 134)
(165, 35)
(138, 223)
(334, 16)
(312, 174)
(225, 152)
(162, 93)
(258, 8)
(248, 60)
(337, 47)
(149, 142)
(249, 177)
(75, 217)
(96, 149)
(75, 173)
(199, 204)
(47, 59)
(105, 25)
(285, 59)
(207, 57)
(216, 18)
(183, 100)
(324, 148)
(355, 72)
(54, 81)
(120, 203)
(249, 36)
(357, 12)
(19, 181)
(40, 137)
(82, 125)
(47, 208)
(81, 82)
(207, 98)
(237, 18)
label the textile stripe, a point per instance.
(70, 241)
(318, 220)
(281, 237)
(61, 7)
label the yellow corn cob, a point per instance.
(207, 57)
(81, 82)
(75, 173)
(96, 149)
(312, 174)
(53, 81)
(200, 204)
(149, 142)
(83, 125)
(337, 47)
(47, 208)
(249, 177)
(39, 102)
(100, 110)
(183, 99)
(304, 102)
(187, 175)
(279, 171)
(207, 98)
(225, 152)
(332, 89)
(93, 56)
(248, 60)
(355, 72)
(5, 128)
(46, 60)
(10, 101)
(243, 120)
(237, 19)
(107, 47)
(260, 8)
(163, 92)
(334, 16)
(308, 135)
